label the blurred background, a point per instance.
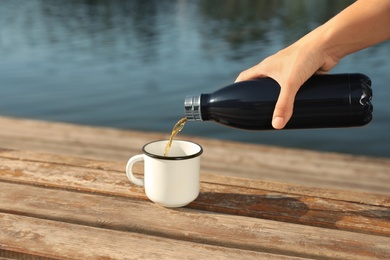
(129, 64)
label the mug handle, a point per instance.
(129, 169)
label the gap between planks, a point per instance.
(190, 225)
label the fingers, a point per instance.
(285, 103)
(283, 108)
(246, 75)
(251, 73)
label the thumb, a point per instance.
(283, 108)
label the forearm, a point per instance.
(363, 24)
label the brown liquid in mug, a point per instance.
(176, 129)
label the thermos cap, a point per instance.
(192, 108)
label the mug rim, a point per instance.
(172, 158)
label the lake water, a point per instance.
(129, 64)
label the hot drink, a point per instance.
(176, 129)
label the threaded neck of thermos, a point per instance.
(192, 108)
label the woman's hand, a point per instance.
(362, 24)
(291, 67)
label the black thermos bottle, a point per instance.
(338, 100)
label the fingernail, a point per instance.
(278, 122)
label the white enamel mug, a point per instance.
(172, 180)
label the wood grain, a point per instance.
(35, 238)
(134, 216)
(64, 195)
(119, 166)
(268, 163)
(370, 216)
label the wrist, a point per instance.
(334, 45)
(321, 52)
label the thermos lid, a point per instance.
(192, 108)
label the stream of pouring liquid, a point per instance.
(176, 129)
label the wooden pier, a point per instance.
(261, 162)
(64, 195)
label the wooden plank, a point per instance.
(250, 234)
(10, 255)
(365, 198)
(303, 167)
(371, 216)
(317, 169)
(31, 237)
(61, 138)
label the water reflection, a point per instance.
(111, 28)
(240, 23)
(129, 64)
(104, 28)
